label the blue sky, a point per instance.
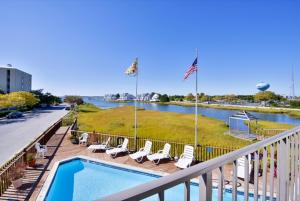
(84, 47)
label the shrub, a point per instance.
(295, 103)
(18, 100)
(74, 99)
(46, 98)
(164, 98)
(69, 119)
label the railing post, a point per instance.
(256, 168)
(205, 187)
(278, 170)
(220, 183)
(187, 190)
(264, 179)
(282, 170)
(292, 161)
(297, 165)
(161, 196)
(288, 168)
(234, 180)
(246, 174)
(271, 171)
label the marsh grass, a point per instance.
(158, 125)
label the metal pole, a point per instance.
(135, 105)
(293, 84)
(196, 104)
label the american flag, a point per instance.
(191, 69)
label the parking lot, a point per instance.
(15, 134)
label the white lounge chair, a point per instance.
(99, 147)
(40, 150)
(160, 155)
(143, 152)
(241, 167)
(83, 138)
(119, 149)
(186, 158)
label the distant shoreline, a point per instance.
(276, 110)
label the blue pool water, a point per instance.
(80, 180)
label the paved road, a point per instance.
(16, 134)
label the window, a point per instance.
(8, 81)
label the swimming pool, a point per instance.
(80, 179)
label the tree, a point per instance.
(266, 96)
(74, 99)
(217, 98)
(164, 98)
(190, 97)
(204, 98)
(176, 98)
(29, 99)
(46, 98)
(231, 98)
(18, 100)
(295, 103)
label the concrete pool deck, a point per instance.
(68, 150)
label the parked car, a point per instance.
(68, 108)
(14, 115)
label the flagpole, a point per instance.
(196, 104)
(135, 105)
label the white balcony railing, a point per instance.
(279, 153)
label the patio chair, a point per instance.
(186, 158)
(83, 139)
(143, 152)
(40, 150)
(119, 149)
(160, 155)
(99, 147)
(241, 167)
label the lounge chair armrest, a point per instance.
(44, 147)
(141, 149)
(160, 151)
(181, 156)
(119, 146)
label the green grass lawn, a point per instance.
(159, 125)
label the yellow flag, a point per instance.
(133, 68)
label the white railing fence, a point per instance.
(276, 156)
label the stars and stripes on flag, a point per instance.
(191, 69)
(132, 69)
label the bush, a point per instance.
(46, 98)
(74, 99)
(164, 98)
(69, 119)
(18, 100)
(295, 103)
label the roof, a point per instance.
(13, 68)
(246, 116)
